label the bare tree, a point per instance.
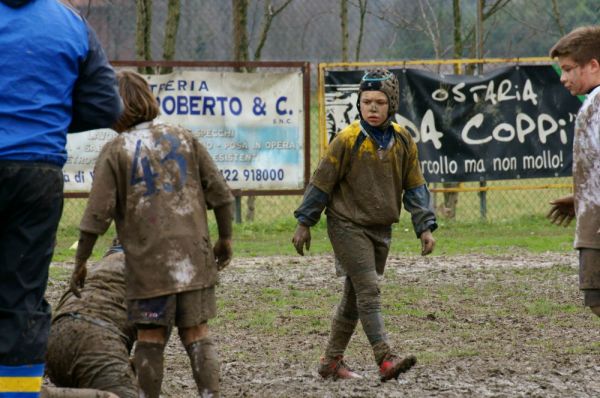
(451, 198)
(171, 27)
(362, 6)
(457, 16)
(487, 12)
(143, 33)
(269, 14)
(344, 26)
(421, 18)
(241, 50)
(240, 33)
(557, 18)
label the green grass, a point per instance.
(545, 307)
(526, 233)
(534, 234)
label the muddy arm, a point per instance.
(313, 203)
(417, 201)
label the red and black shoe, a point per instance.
(336, 368)
(392, 365)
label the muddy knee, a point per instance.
(368, 296)
(194, 333)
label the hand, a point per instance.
(301, 238)
(78, 277)
(562, 211)
(427, 242)
(223, 253)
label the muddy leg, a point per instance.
(368, 301)
(205, 366)
(203, 358)
(148, 361)
(343, 323)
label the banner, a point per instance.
(251, 123)
(513, 122)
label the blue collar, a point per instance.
(381, 137)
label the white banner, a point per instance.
(251, 123)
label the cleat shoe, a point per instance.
(336, 368)
(392, 366)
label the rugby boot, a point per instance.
(336, 368)
(392, 365)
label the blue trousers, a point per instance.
(31, 202)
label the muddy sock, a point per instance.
(380, 350)
(148, 361)
(339, 337)
(205, 366)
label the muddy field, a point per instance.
(480, 326)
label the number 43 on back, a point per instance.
(148, 175)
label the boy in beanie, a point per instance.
(368, 171)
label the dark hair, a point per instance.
(138, 101)
(581, 44)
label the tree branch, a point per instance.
(269, 14)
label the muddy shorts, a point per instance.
(85, 355)
(184, 310)
(358, 249)
(589, 276)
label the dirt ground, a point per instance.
(480, 326)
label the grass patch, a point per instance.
(531, 233)
(545, 307)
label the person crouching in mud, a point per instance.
(369, 169)
(91, 338)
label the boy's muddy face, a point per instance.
(374, 107)
(577, 78)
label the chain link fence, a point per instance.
(311, 31)
(525, 198)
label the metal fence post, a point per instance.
(238, 209)
(483, 200)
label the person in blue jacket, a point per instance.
(55, 80)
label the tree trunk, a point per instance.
(362, 4)
(557, 18)
(344, 24)
(240, 53)
(240, 34)
(143, 33)
(458, 44)
(268, 15)
(171, 27)
(451, 198)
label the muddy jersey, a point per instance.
(586, 172)
(365, 184)
(157, 182)
(102, 298)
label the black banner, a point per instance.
(513, 122)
